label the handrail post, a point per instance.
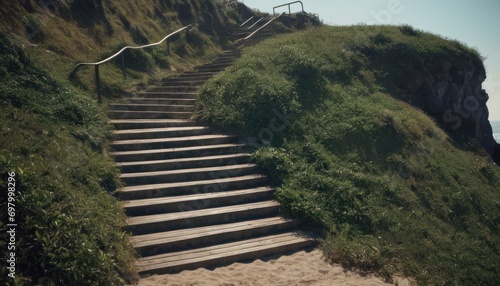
(123, 66)
(289, 10)
(98, 84)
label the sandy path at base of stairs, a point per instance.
(304, 268)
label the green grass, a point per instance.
(53, 137)
(387, 190)
(59, 40)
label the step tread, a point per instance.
(182, 160)
(189, 184)
(220, 251)
(214, 69)
(193, 197)
(166, 150)
(147, 105)
(216, 64)
(138, 98)
(184, 234)
(118, 121)
(159, 218)
(164, 129)
(181, 80)
(151, 112)
(189, 75)
(167, 92)
(186, 171)
(173, 87)
(175, 139)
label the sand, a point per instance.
(305, 268)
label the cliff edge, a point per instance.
(450, 90)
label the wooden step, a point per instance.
(182, 82)
(128, 114)
(183, 163)
(172, 88)
(197, 74)
(227, 57)
(216, 69)
(164, 101)
(194, 187)
(150, 107)
(157, 243)
(193, 174)
(196, 201)
(150, 123)
(177, 142)
(149, 133)
(230, 55)
(172, 153)
(215, 65)
(224, 254)
(193, 77)
(201, 217)
(223, 61)
(168, 94)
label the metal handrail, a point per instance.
(246, 22)
(120, 52)
(263, 26)
(256, 22)
(288, 4)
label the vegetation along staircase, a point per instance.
(193, 196)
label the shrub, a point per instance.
(379, 180)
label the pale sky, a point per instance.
(473, 22)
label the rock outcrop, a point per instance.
(451, 92)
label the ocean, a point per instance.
(496, 130)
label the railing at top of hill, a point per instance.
(271, 19)
(120, 52)
(289, 9)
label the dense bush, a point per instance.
(378, 179)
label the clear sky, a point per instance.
(473, 22)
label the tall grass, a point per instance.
(384, 186)
(54, 138)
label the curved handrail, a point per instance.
(78, 66)
(120, 52)
(288, 4)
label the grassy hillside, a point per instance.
(386, 188)
(55, 136)
(59, 34)
(52, 136)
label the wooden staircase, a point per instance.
(193, 196)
